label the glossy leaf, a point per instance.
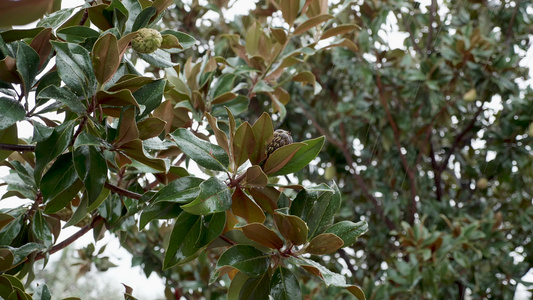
(105, 57)
(8, 136)
(291, 228)
(330, 278)
(41, 229)
(150, 95)
(127, 127)
(302, 157)
(325, 243)
(324, 209)
(284, 285)
(247, 259)
(203, 153)
(243, 144)
(58, 178)
(256, 288)
(348, 231)
(259, 233)
(150, 127)
(75, 68)
(246, 208)
(190, 235)
(159, 211)
(91, 168)
(255, 177)
(236, 285)
(214, 197)
(135, 150)
(185, 40)
(221, 137)
(11, 111)
(182, 191)
(281, 157)
(27, 65)
(263, 133)
(65, 96)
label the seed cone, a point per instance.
(147, 40)
(281, 138)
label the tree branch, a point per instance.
(509, 31)
(411, 36)
(432, 12)
(122, 191)
(410, 174)
(18, 148)
(459, 138)
(348, 156)
(97, 220)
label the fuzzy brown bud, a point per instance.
(280, 139)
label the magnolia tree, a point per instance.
(113, 146)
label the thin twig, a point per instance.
(18, 148)
(509, 31)
(410, 174)
(97, 220)
(432, 13)
(348, 156)
(122, 191)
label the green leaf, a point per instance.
(91, 168)
(223, 85)
(158, 58)
(65, 96)
(77, 34)
(185, 40)
(143, 18)
(256, 288)
(41, 132)
(11, 230)
(324, 209)
(40, 229)
(7, 136)
(27, 65)
(329, 278)
(58, 178)
(11, 111)
(75, 68)
(105, 57)
(23, 251)
(150, 95)
(205, 154)
(64, 198)
(348, 231)
(236, 285)
(190, 235)
(182, 191)
(302, 157)
(42, 293)
(247, 259)
(80, 213)
(160, 211)
(281, 157)
(5, 219)
(215, 196)
(302, 204)
(284, 285)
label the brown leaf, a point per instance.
(221, 137)
(263, 133)
(255, 177)
(291, 228)
(312, 22)
(258, 233)
(266, 198)
(246, 208)
(243, 144)
(341, 29)
(150, 127)
(127, 128)
(105, 57)
(41, 44)
(325, 243)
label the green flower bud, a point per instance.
(147, 40)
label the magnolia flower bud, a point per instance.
(482, 183)
(147, 40)
(280, 139)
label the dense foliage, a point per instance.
(166, 138)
